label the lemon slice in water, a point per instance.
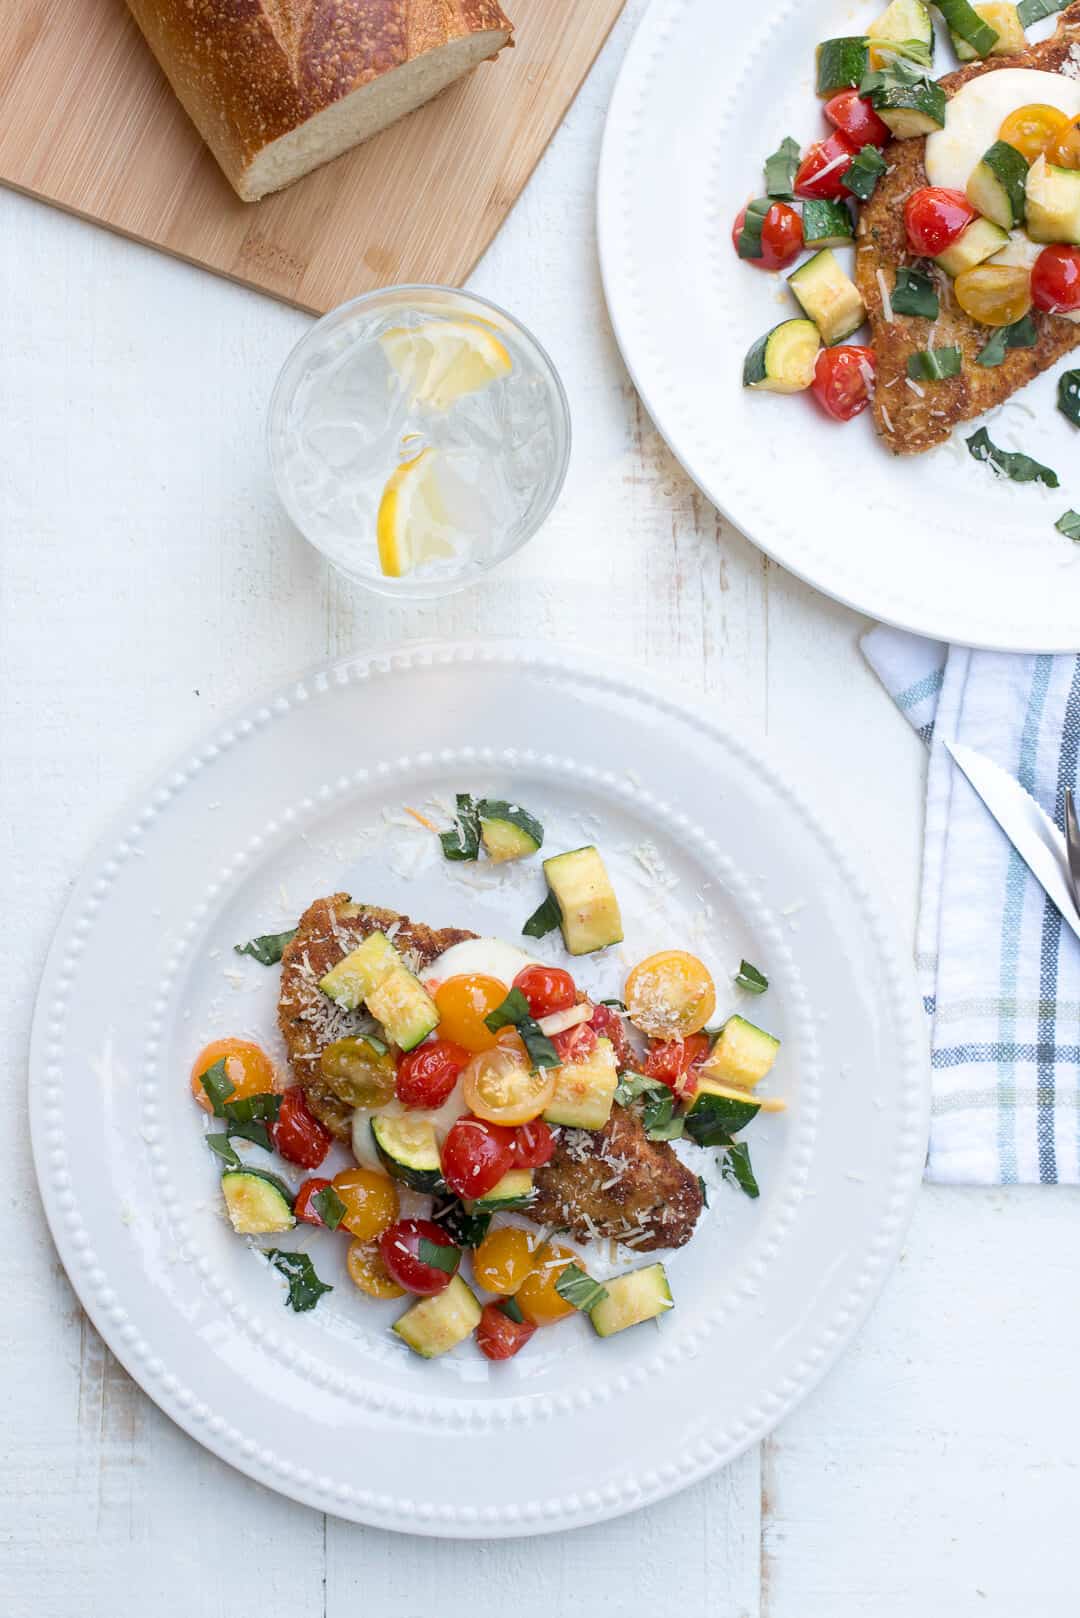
(412, 525)
(443, 360)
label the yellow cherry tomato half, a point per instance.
(994, 294)
(463, 1002)
(358, 1074)
(1031, 129)
(366, 1269)
(371, 1202)
(502, 1088)
(504, 1260)
(670, 995)
(1064, 150)
(536, 1296)
(248, 1069)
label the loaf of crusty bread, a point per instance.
(276, 87)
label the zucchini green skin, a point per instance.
(980, 241)
(640, 1295)
(911, 109)
(268, 1200)
(514, 1190)
(841, 63)
(826, 223)
(1053, 203)
(964, 21)
(713, 1120)
(783, 360)
(507, 831)
(425, 1178)
(998, 187)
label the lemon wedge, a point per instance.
(412, 524)
(443, 360)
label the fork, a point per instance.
(1072, 845)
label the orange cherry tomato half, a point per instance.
(503, 1260)
(781, 237)
(463, 1002)
(536, 1297)
(1055, 280)
(670, 994)
(503, 1089)
(248, 1069)
(367, 1270)
(934, 217)
(844, 380)
(994, 294)
(371, 1202)
(1064, 150)
(1030, 130)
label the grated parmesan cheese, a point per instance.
(886, 301)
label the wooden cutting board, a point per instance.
(90, 123)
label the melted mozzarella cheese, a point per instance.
(978, 110)
(492, 957)
(363, 1143)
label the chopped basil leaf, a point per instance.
(703, 1188)
(514, 1012)
(544, 920)
(1022, 333)
(1068, 399)
(780, 170)
(439, 1256)
(509, 1013)
(249, 1117)
(466, 1229)
(902, 71)
(268, 948)
(735, 1166)
(512, 1310)
(750, 234)
(542, 1052)
(218, 1086)
(329, 1207)
(934, 364)
(618, 1005)
(265, 1107)
(915, 294)
(1010, 463)
(749, 978)
(863, 173)
(632, 1085)
(1069, 525)
(580, 1289)
(305, 1288)
(1033, 11)
(463, 843)
(658, 1116)
(225, 1150)
(499, 809)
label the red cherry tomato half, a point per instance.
(498, 1337)
(1055, 280)
(934, 217)
(607, 1024)
(475, 1156)
(844, 380)
(823, 168)
(854, 116)
(304, 1207)
(781, 237)
(426, 1076)
(400, 1249)
(670, 1059)
(546, 988)
(298, 1136)
(576, 1044)
(534, 1145)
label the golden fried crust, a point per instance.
(618, 1185)
(907, 423)
(329, 929)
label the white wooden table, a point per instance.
(149, 582)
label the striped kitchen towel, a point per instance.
(1000, 971)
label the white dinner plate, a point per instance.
(934, 542)
(709, 847)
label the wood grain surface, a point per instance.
(90, 123)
